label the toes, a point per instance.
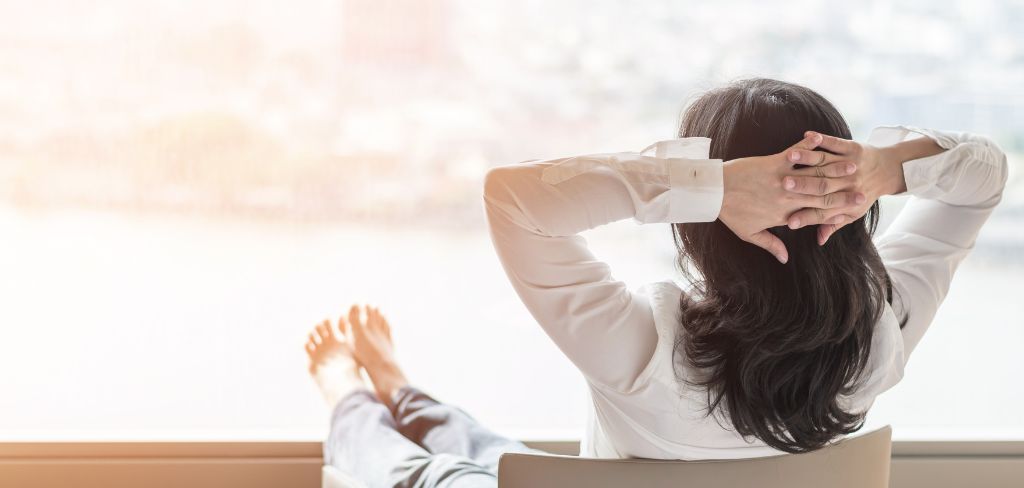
(384, 325)
(381, 322)
(353, 317)
(330, 330)
(324, 330)
(351, 326)
(374, 314)
(342, 326)
(371, 320)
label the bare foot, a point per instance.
(331, 363)
(371, 342)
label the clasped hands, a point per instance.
(802, 186)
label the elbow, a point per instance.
(499, 193)
(1004, 170)
(496, 183)
(998, 164)
(503, 183)
(510, 192)
(997, 156)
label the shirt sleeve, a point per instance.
(535, 211)
(952, 195)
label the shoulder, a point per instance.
(663, 297)
(885, 365)
(662, 290)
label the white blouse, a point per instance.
(622, 340)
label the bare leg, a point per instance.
(438, 427)
(375, 351)
(331, 363)
(364, 441)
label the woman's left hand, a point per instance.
(756, 197)
(873, 172)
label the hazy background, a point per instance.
(186, 187)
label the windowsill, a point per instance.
(313, 449)
(156, 436)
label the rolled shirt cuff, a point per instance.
(696, 190)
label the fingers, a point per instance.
(809, 142)
(839, 199)
(837, 169)
(815, 216)
(834, 144)
(769, 242)
(812, 158)
(826, 231)
(814, 185)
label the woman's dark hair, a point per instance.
(775, 344)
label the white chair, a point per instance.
(332, 477)
(861, 461)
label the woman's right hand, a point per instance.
(879, 171)
(756, 199)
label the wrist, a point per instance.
(728, 183)
(891, 159)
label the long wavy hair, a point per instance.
(775, 344)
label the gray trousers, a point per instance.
(417, 442)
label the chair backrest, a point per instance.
(861, 462)
(331, 477)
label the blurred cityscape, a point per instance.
(392, 110)
(186, 186)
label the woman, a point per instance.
(763, 352)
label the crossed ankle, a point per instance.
(387, 384)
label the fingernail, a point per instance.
(850, 168)
(860, 198)
(794, 224)
(794, 156)
(837, 219)
(817, 137)
(782, 258)
(788, 183)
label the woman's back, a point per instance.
(802, 347)
(778, 343)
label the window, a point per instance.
(186, 187)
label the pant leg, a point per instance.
(445, 429)
(364, 443)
